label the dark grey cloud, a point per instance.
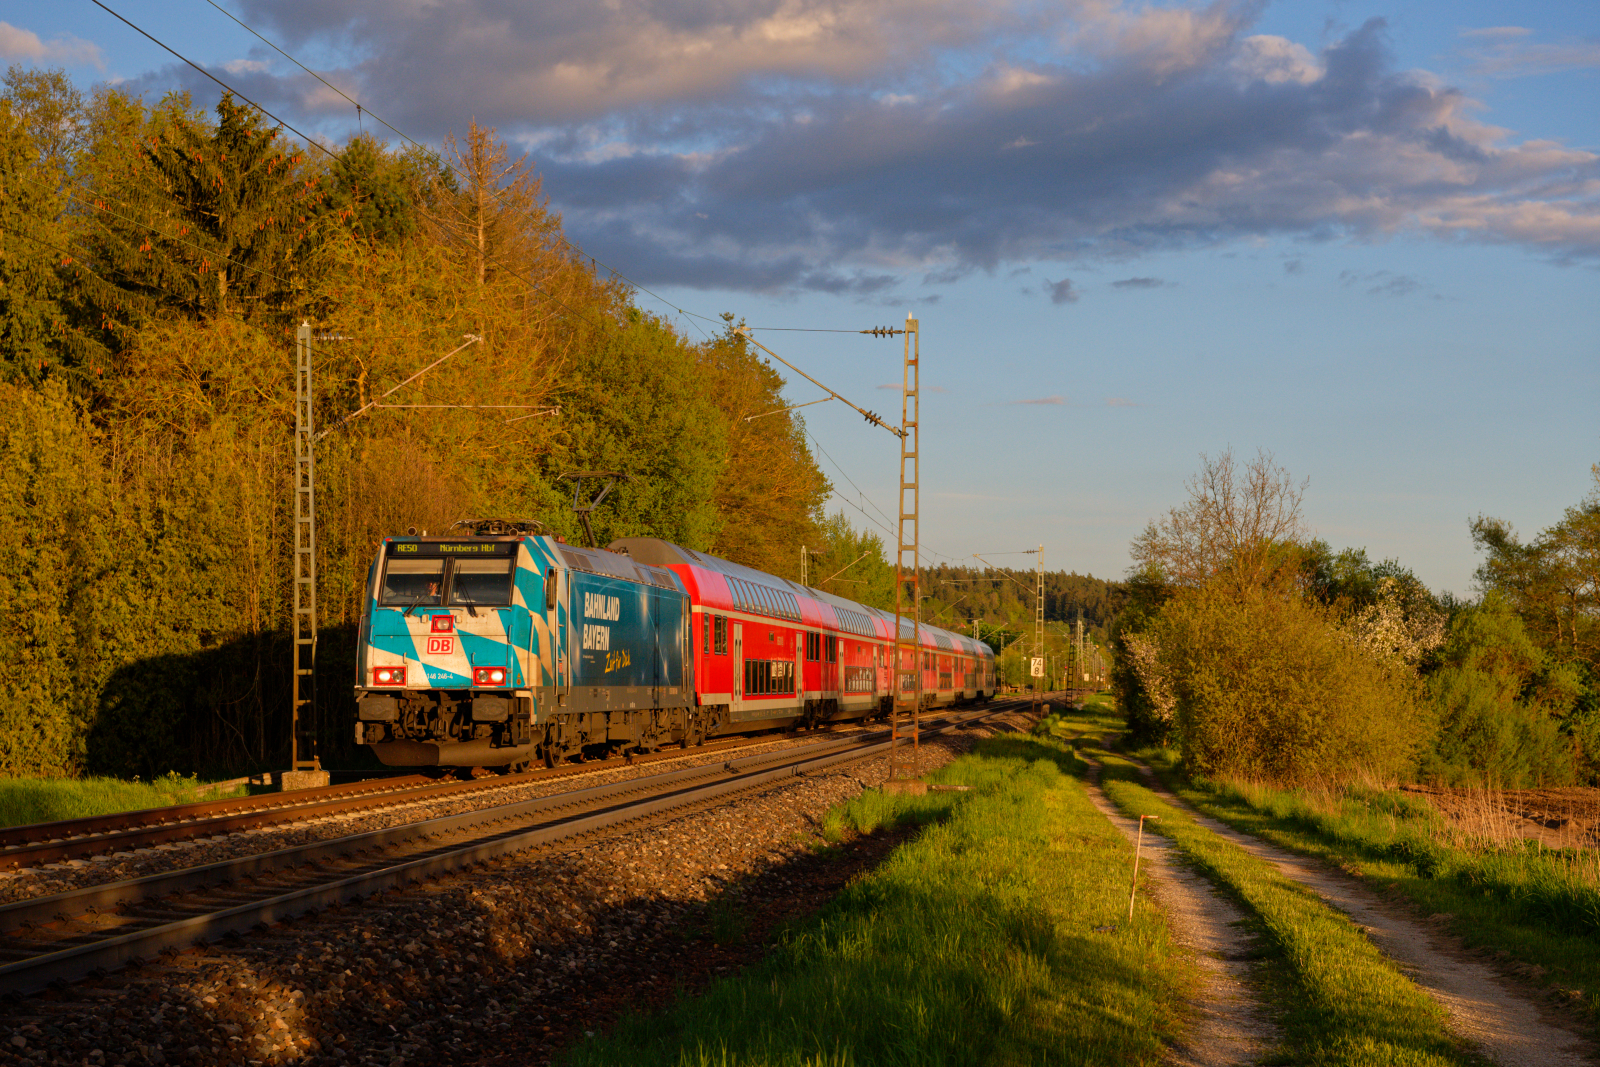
(1138, 283)
(789, 145)
(1062, 292)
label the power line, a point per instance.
(414, 143)
(315, 144)
(868, 499)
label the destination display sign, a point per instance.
(434, 549)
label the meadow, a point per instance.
(997, 935)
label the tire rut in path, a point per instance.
(1509, 1027)
(1230, 1024)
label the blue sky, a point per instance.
(1365, 238)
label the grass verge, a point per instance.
(1339, 1000)
(1537, 908)
(29, 800)
(997, 936)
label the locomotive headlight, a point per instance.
(489, 676)
(389, 676)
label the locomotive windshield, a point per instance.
(412, 583)
(480, 582)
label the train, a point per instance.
(507, 646)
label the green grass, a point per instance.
(1339, 1000)
(29, 800)
(1540, 907)
(974, 943)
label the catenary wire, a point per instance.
(413, 143)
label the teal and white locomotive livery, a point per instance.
(506, 646)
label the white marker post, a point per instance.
(1136, 848)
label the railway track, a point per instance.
(36, 844)
(94, 929)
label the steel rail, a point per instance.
(63, 829)
(35, 844)
(664, 792)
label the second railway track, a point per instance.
(83, 931)
(37, 844)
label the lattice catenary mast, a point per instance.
(303, 730)
(905, 716)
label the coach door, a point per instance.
(738, 669)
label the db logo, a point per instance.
(441, 646)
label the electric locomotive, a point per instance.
(506, 645)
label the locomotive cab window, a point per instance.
(412, 583)
(482, 582)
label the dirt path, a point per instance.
(1511, 1027)
(1231, 1026)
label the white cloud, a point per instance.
(845, 145)
(1275, 60)
(19, 43)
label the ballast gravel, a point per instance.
(73, 874)
(504, 964)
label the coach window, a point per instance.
(412, 583)
(813, 647)
(830, 648)
(707, 629)
(482, 582)
(722, 635)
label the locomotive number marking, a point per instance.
(596, 638)
(441, 646)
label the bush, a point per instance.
(1267, 688)
(1501, 705)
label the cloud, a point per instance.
(849, 145)
(1052, 401)
(18, 43)
(245, 66)
(1496, 32)
(1511, 57)
(1382, 282)
(1294, 266)
(1062, 292)
(1138, 283)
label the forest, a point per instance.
(155, 261)
(1264, 655)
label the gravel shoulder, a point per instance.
(1229, 1023)
(501, 965)
(1510, 1027)
(57, 877)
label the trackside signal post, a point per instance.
(905, 716)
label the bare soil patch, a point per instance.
(1557, 817)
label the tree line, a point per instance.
(1264, 654)
(155, 261)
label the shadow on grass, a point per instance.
(989, 939)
